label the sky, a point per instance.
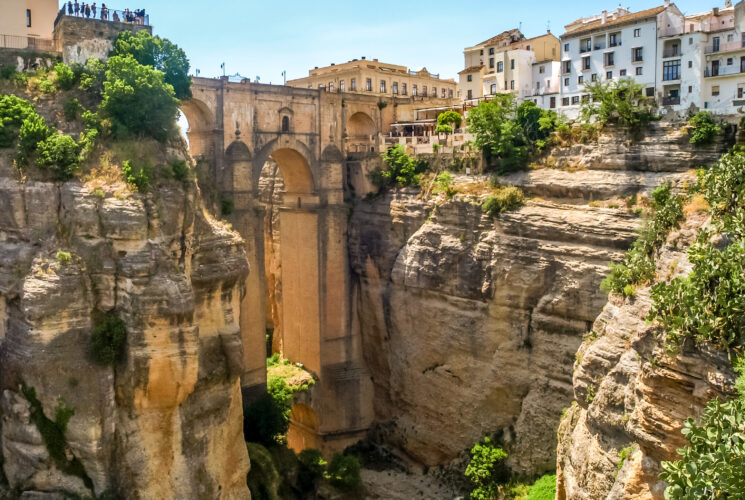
(264, 38)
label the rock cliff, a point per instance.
(632, 397)
(166, 420)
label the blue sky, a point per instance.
(266, 37)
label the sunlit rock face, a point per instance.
(165, 421)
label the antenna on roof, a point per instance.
(548, 26)
(520, 27)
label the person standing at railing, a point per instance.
(115, 17)
(69, 8)
(77, 8)
(93, 10)
(104, 12)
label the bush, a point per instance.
(344, 472)
(312, 467)
(46, 86)
(64, 258)
(180, 171)
(705, 128)
(487, 470)
(263, 478)
(137, 100)
(638, 264)
(92, 76)
(137, 177)
(60, 154)
(33, 131)
(266, 421)
(13, 112)
(543, 489)
(65, 77)
(108, 340)
(7, 72)
(401, 169)
(160, 54)
(71, 108)
(617, 101)
(444, 184)
(505, 199)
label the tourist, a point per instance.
(116, 17)
(104, 12)
(77, 7)
(87, 11)
(93, 10)
(69, 8)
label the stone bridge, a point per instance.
(237, 128)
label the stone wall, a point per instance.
(79, 39)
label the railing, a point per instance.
(723, 47)
(672, 53)
(583, 50)
(544, 90)
(26, 42)
(725, 71)
(599, 46)
(107, 15)
(614, 44)
(671, 101)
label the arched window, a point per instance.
(285, 124)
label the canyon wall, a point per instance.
(166, 420)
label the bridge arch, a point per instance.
(295, 163)
(202, 124)
(361, 131)
(238, 159)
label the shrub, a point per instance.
(638, 264)
(401, 169)
(160, 54)
(617, 101)
(13, 112)
(312, 467)
(108, 340)
(33, 131)
(60, 154)
(63, 258)
(46, 86)
(137, 100)
(266, 421)
(487, 470)
(137, 177)
(497, 132)
(705, 128)
(543, 489)
(444, 184)
(344, 472)
(71, 108)
(503, 200)
(180, 171)
(65, 77)
(92, 76)
(7, 72)
(263, 478)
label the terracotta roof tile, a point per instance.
(634, 16)
(472, 69)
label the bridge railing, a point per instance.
(26, 42)
(108, 15)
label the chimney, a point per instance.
(363, 58)
(667, 3)
(715, 11)
(605, 17)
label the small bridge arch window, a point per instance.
(285, 124)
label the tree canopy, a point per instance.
(617, 101)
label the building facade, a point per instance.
(377, 78)
(26, 19)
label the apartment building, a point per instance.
(613, 45)
(377, 78)
(547, 84)
(505, 64)
(26, 19)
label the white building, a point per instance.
(614, 45)
(547, 84)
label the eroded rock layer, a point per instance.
(166, 420)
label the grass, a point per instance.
(295, 376)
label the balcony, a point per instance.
(584, 50)
(724, 47)
(675, 52)
(725, 71)
(599, 46)
(614, 44)
(671, 101)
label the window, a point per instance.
(715, 90)
(443, 93)
(690, 64)
(469, 78)
(575, 99)
(585, 45)
(690, 39)
(491, 62)
(610, 59)
(512, 64)
(512, 84)
(566, 47)
(450, 93)
(353, 85)
(637, 32)
(690, 89)
(594, 77)
(481, 52)
(493, 89)
(586, 63)
(415, 92)
(491, 51)
(542, 69)
(730, 38)
(650, 91)
(285, 124)
(341, 86)
(565, 101)
(567, 67)
(715, 44)
(28, 18)
(637, 54)
(368, 85)
(500, 66)
(538, 85)
(395, 87)
(331, 86)
(730, 61)
(639, 71)
(742, 64)
(382, 86)
(403, 89)
(622, 72)
(671, 70)
(424, 90)
(434, 91)
(580, 79)
(552, 103)
(739, 92)
(566, 82)
(609, 75)
(613, 40)
(469, 95)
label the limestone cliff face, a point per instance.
(470, 324)
(630, 394)
(166, 421)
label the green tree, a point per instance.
(160, 54)
(448, 121)
(487, 470)
(266, 421)
(705, 128)
(401, 169)
(65, 77)
(60, 154)
(13, 112)
(496, 132)
(617, 101)
(137, 100)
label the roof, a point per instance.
(472, 69)
(625, 19)
(504, 35)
